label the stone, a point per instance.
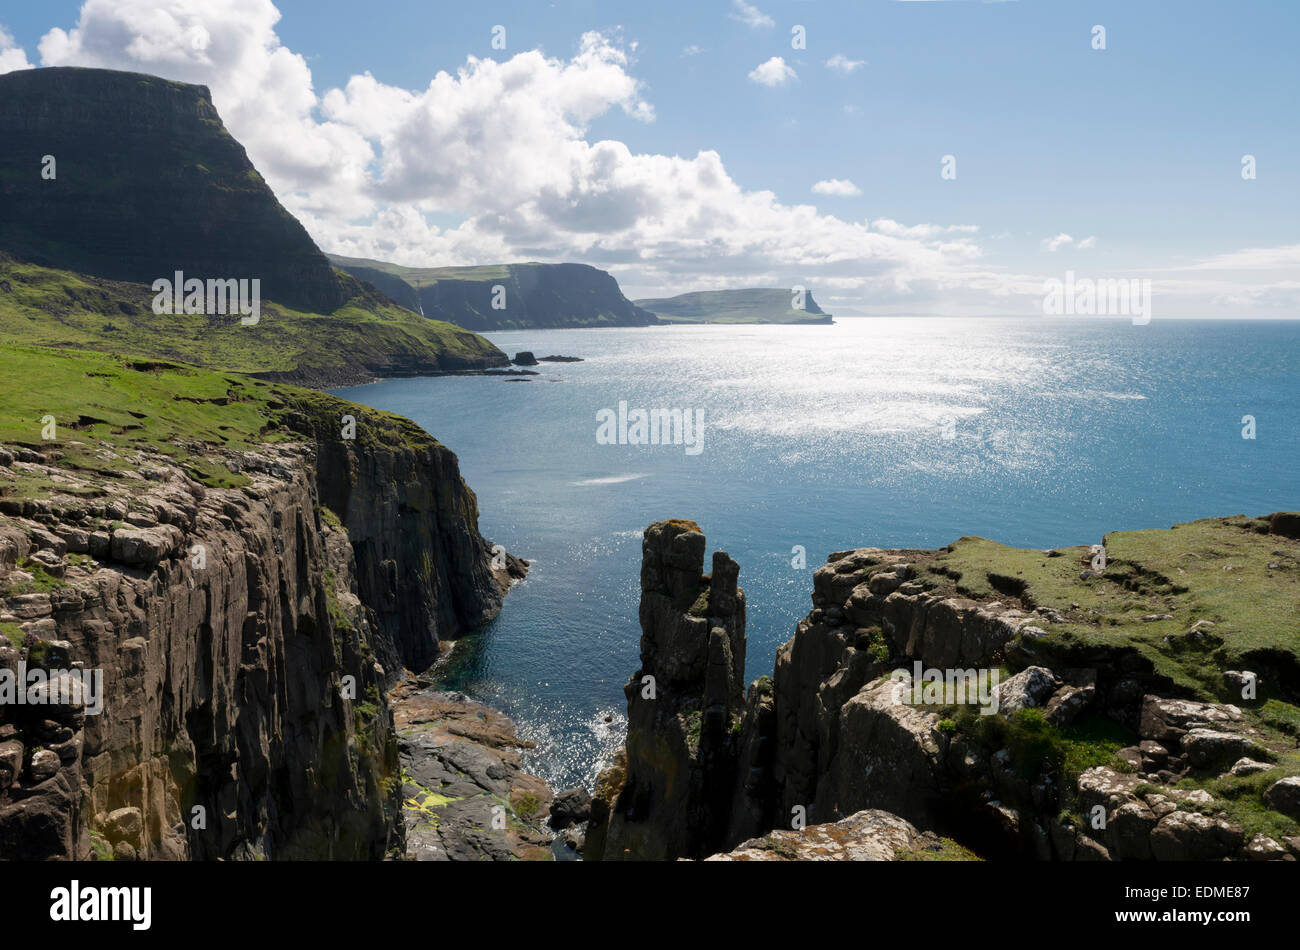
(1165, 720)
(1209, 748)
(11, 762)
(1248, 766)
(124, 824)
(1027, 689)
(868, 835)
(571, 806)
(44, 765)
(1264, 848)
(1191, 836)
(1284, 796)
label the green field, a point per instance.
(367, 336)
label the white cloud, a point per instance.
(1053, 245)
(1087, 243)
(12, 56)
(693, 50)
(842, 64)
(774, 72)
(749, 14)
(836, 186)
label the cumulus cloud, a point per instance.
(1052, 245)
(12, 56)
(842, 64)
(749, 14)
(1086, 243)
(774, 72)
(840, 187)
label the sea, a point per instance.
(884, 432)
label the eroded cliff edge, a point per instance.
(1139, 701)
(249, 574)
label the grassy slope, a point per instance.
(111, 410)
(750, 305)
(59, 308)
(1224, 570)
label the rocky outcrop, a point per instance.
(870, 835)
(670, 796)
(464, 795)
(147, 181)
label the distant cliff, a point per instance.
(505, 296)
(143, 181)
(748, 305)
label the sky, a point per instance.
(721, 143)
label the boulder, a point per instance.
(1284, 796)
(1191, 836)
(145, 547)
(1029, 688)
(1165, 720)
(1209, 748)
(124, 824)
(44, 765)
(570, 807)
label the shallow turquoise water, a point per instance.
(887, 432)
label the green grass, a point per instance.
(1215, 569)
(42, 581)
(13, 633)
(59, 308)
(111, 412)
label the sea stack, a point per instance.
(669, 794)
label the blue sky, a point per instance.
(1138, 147)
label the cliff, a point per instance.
(173, 530)
(505, 296)
(1119, 702)
(146, 182)
(747, 305)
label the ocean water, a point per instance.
(898, 432)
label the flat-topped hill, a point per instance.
(747, 305)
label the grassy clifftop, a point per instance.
(367, 336)
(1195, 599)
(110, 411)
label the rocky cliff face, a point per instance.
(529, 295)
(1060, 747)
(423, 570)
(147, 182)
(245, 637)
